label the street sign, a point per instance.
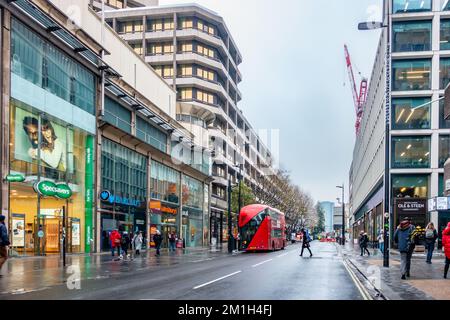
(40, 234)
(15, 178)
(442, 203)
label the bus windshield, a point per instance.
(249, 230)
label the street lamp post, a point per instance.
(343, 215)
(387, 216)
(230, 221)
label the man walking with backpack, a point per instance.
(4, 242)
(306, 240)
(403, 236)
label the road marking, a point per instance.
(209, 259)
(282, 255)
(218, 279)
(258, 264)
(358, 284)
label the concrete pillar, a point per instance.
(115, 24)
(144, 31)
(175, 49)
(180, 213)
(133, 119)
(5, 38)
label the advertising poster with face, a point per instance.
(76, 232)
(56, 141)
(18, 230)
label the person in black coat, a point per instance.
(305, 243)
(363, 242)
(157, 239)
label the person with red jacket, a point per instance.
(446, 247)
(114, 238)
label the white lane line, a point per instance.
(258, 264)
(362, 290)
(282, 255)
(218, 279)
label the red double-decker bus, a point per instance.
(262, 228)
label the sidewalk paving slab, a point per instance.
(426, 282)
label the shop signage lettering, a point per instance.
(408, 206)
(15, 178)
(111, 198)
(168, 210)
(50, 189)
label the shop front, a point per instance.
(192, 215)
(52, 130)
(123, 202)
(413, 208)
(165, 202)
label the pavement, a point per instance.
(187, 275)
(426, 281)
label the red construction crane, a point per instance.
(358, 98)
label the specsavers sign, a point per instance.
(51, 189)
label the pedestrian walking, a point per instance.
(403, 237)
(157, 239)
(114, 238)
(4, 242)
(446, 248)
(172, 241)
(380, 239)
(363, 242)
(137, 242)
(125, 244)
(305, 244)
(430, 239)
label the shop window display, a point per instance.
(46, 148)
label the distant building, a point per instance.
(328, 208)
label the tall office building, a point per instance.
(328, 208)
(192, 48)
(419, 137)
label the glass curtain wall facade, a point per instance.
(123, 191)
(165, 201)
(52, 129)
(192, 193)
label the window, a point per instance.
(168, 24)
(411, 186)
(185, 93)
(410, 114)
(444, 149)
(115, 3)
(404, 6)
(186, 23)
(117, 115)
(205, 97)
(165, 183)
(445, 34)
(412, 36)
(42, 64)
(155, 25)
(444, 72)
(185, 71)
(411, 152)
(412, 75)
(151, 135)
(160, 48)
(205, 74)
(137, 47)
(441, 188)
(218, 191)
(445, 5)
(130, 26)
(186, 47)
(204, 50)
(443, 124)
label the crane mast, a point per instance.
(359, 98)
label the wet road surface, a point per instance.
(281, 275)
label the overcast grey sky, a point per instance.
(293, 79)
